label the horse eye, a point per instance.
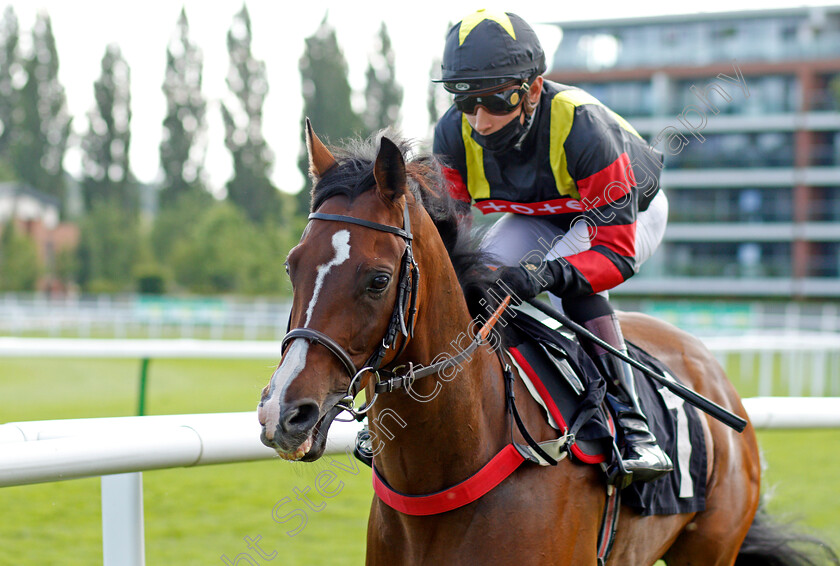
(379, 283)
(286, 265)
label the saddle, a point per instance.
(567, 383)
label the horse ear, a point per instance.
(320, 158)
(389, 170)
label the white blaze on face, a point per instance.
(295, 359)
(341, 244)
(293, 363)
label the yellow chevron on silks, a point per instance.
(477, 184)
(577, 97)
(562, 115)
(469, 23)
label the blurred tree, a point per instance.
(250, 188)
(226, 253)
(108, 246)
(150, 277)
(9, 68)
(67, 265)
(19, 263)
(175, 222)
(184, 143)
(41, 123)
(383, 96)
(326, 96)
(106, 175)
(437, 99)
(6, 172)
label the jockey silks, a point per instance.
(578, 161)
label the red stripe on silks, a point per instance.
(552, 407)
(599, 271)
(608, 185)
(455, 184)
(471, 489)
(621, 238)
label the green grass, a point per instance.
(800, 478)
(195, 516)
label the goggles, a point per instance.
(498, 103)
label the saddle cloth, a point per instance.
(567, 383)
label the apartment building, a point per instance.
(746, 107)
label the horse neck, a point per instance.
(450, 425)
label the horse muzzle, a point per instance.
(289, 427)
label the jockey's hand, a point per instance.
(523, 282)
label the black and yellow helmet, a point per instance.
(488, 49)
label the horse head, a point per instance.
(349, 276)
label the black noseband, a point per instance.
(320, 338)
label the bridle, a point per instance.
(401, 322)
(505, 462)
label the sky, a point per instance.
(83, 28)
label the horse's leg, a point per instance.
(642, 540)
(712, 539)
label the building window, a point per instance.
(825, 151)
(632, 98)
(730, 205)
(772, 94)
(824, 260)
(824, 204)
(827, 97)
(728, 259)
(762, 149)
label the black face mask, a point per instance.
(506, 138)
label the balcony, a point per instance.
(752, 232)
(750, 177)
(781, 287)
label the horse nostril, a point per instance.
(300, 416)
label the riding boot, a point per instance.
(642, 455)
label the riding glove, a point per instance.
(526, 281)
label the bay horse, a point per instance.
(351, 281)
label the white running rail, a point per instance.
(47, 451)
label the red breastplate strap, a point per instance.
(471, 489)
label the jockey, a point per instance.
(579, 185)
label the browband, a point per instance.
(366, 223)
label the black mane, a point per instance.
(353, 176)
